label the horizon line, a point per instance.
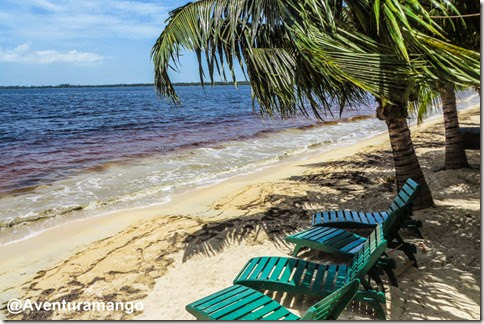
(68, 85)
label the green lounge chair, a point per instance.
(244, 303)
(309, 278)
(330, 238)
(348, 218)
(327, 239)
(340, 242)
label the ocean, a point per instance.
(72, 153)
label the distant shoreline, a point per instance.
(120, 85)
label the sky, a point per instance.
(51, 42)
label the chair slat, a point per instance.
(247, 308)
(221, 295)
(248, 269)
(311, 270)
(259, 268)
(341, 217)
(331, 273)
(412, 183)
(277, 314)
(356, 217)
(234, 306)
(355, 244)
(281, 262)
(291, 263)
(371, 219)
(318, 219)
(348, 217)
(399, 202)
(379, 219)
(261, 312)
(319, 280)
(404, 196)
(296, 279)
(332, 216)
(222, 302)
(269, 266)
(363, 218)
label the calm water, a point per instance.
(73, 153)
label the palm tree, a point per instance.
(465, 32)
(300, 54)
(455, 154)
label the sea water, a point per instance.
(71, 153)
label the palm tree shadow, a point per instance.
(275, 223)
(345, 186)
(447, 283)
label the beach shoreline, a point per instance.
(71, 247)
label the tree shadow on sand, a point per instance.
(289, 214)
(447, 283)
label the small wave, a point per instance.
(320, 144)
(50, 213)
(283, 156)
(357, 118)
(315, 125)
(43, 215)
(261, 134)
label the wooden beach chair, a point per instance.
(347, 218)
(308, 278)
(331, 238)
(244, 303)
(340, 242)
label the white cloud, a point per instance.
(24, 54)
(85, 19)
(46, 5)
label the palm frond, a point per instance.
(316, 54)
(213, 29)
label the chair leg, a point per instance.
(417, 232)
(414, 226)
(376, 278)
(409, 249)
(297, 249)
(391, 276)
(379, 312)
(374, 299)
(387, 265)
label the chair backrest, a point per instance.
(402, 204)
(368, 254)
(332, 305)
(405, 196)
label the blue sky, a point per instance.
(49, 42)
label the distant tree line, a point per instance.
(67, 85)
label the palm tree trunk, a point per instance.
(404, 156)
(455, 154)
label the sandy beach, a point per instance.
(169, 255)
